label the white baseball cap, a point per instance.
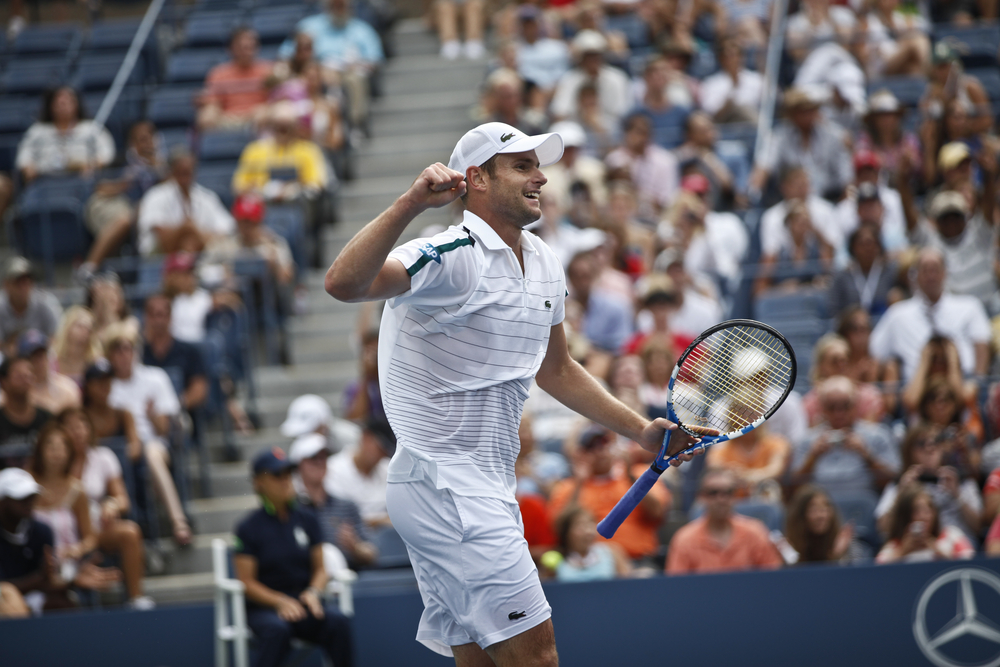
(572, 133)
(17, 484)
(305, 415)
(481, 143)
(307, 446)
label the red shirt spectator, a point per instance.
(721, 540)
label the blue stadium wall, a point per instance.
(814, 616)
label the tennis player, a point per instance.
(473, 315)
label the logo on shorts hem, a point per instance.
(514, 615)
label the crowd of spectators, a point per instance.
(873, 204)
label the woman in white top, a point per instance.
(62, 140)
(897, 41)
(100, 475)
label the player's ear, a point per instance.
(476, 179)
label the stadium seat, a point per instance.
(223, 145)
(47, 39)
(859, 509)
(8, 151)
(977, 45)
(50, 228)
(391, 549)
(771, 515)
(781, 306)
(17, 114)
(175, 136)
(289, 222)
(218, 177)
(116, 35)
(908, 90)
(631, 25)
(172, 106)
(97, 71)
(275, 24)
(32, 76)
(212, 28)
(193, 66)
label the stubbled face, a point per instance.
(515, 190)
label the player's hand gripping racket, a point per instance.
(728, 381)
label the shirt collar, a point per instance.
(488, 236)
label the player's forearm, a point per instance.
(575, 388)
(352, 274)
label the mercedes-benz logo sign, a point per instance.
(968, 620)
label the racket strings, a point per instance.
(732, 378)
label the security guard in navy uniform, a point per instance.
(279, 558)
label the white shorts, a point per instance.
(472, 564)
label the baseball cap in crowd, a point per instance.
(273, 461)
(17, 484)
(659, 288)
(98, 370)
(16, 268)
(801, 98)
(383, 433)
(481, 143)
(31, 341)
(589, 41)
(953, 154)
(250, 207)
(179, 261)
(749, 362)
(947, 202)
(307, 446)
(866, 159)
(571, 132)
(943, 53)
(528, 13)
(696, 183)
(868, 192)
(306, 413)
(883, 101)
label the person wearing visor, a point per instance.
(474, 315)
(278, 555)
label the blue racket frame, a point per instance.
(621, 511)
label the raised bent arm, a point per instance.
(361, 271)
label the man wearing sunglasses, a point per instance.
(720, 539)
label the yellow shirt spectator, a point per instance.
(263, 156)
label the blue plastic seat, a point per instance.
(805, 305)
(115, 35)
(8, 151)
(33, 76)
(977, 45)
(172, 106)
(771, 515)
(222, 145)
(275, 24)
(859, 509)
(192, 66)
(97, 71)
(17, 114)
(289, 222)
(47, 39)
(907, 89)
(212, 28)
(218, 177)
(52, 229)
(391, 549)
(632, 26)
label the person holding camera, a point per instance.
(842, 454)
(917, 534)
(957, 499)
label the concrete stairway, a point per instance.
(425, 108)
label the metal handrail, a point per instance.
(125, 71)
(772, 68)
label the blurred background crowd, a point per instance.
(826, 167)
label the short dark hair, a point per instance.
(45, 116)
(490, 167)
(238, 31)
(161, 296)
(7, 364)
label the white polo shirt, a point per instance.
(459, 350)
(147, 384)
(906, 327)
(164, 206)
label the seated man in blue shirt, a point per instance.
(279, 558)
(339, 519)
(348, 49)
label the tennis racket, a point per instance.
(729, 380)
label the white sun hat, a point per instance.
(481, 143)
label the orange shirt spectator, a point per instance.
(236, 92)
(721, 540)
(693, 550)
(638, 535)
(754, 458)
